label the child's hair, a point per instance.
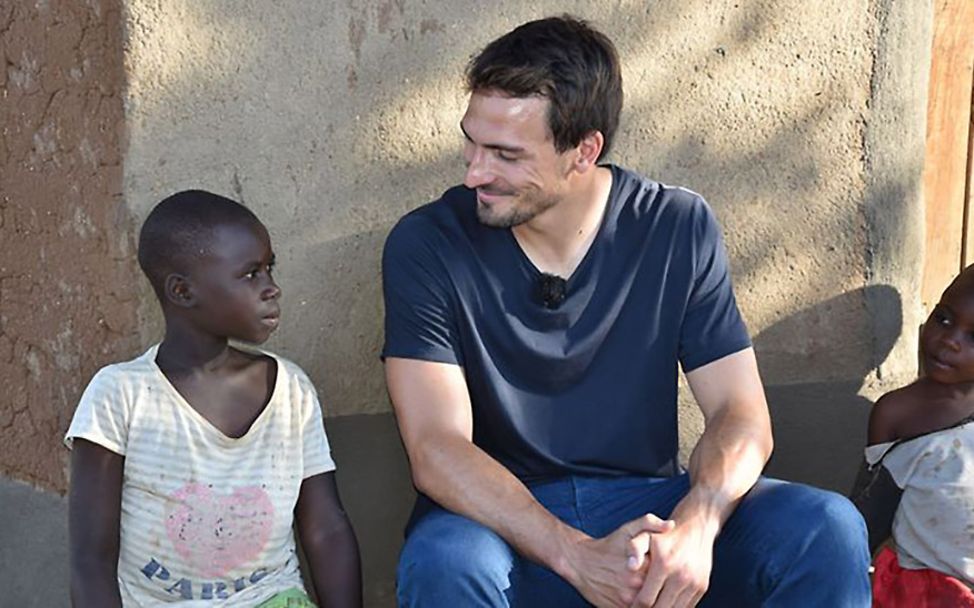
(963, 281)
(177, 230)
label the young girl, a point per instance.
(191, 463)
(918, 479)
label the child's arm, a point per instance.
(874, 492)
(329, 543)
(94, 507)
(877, 497)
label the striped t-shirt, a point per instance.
(206, 519)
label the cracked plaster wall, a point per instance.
(802, 123)
(67, 302)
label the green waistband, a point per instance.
(291, 598)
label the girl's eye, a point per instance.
(253, 274)
(941, 319)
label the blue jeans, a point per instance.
(787, 544)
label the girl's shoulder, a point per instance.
(896, 411)
(914, 410)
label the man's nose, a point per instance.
(477, 174)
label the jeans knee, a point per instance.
(836, 528)
(453, 565)
(434, 557)
(842, 514)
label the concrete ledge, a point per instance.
(819, 431)
(33, 547)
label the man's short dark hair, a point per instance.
(178, 230)
(564, 60)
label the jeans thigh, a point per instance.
(789, 544)
(450, 560)
(786, 544)
(605, 504)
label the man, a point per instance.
(535, 318)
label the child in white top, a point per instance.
(191, 463)
(918, 482)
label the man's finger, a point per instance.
(673, 595)
(690, 599)
(648, 523)
(637, 549)
(650, 591)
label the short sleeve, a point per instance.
(419, 314)
(903, 462)
(712, 326)
(316, 455)
(103, 414)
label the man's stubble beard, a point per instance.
(517, 215)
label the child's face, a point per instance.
(947, 340)
(237, 296)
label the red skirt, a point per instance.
(896, 587)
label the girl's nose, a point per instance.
(272, 292)
(952, 341)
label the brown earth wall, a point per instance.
(67, 272)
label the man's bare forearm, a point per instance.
(724, 465)
(462, 478)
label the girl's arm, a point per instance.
(874, 492)
(94, 506)
(329, 543)
(877, 497)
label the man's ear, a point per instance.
(588, 151)
(179, 291)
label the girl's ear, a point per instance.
(179, 291)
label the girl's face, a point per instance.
(947, 339)
(236, 292)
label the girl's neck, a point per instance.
(957, 391)
(185, 351)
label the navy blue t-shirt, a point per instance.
(589, 387)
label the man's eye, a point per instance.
(506, 156)
(941, 319)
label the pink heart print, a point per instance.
(215, 533)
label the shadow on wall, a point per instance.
(387, 141)
(820, 427)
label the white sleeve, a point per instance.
(902, 462)
(102, 415)
(316, 451)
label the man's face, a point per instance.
(511, 158)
